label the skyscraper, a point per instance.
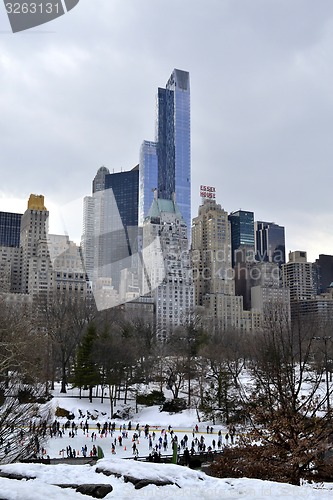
(324, 272)
(167, 270)
(297, 275)
(93, 222)
(270, 242)
(148, 173)
(10, 225)
(211, 252)
(10, 252)
(242, 233)
(34, 228)
(110, 224)
(99, 179)
(173, 148)
(212, 272)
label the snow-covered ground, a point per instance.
(186, 483)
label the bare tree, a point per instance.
(65, 317)
(20, 388)
(285, 401)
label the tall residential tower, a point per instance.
(166, 163)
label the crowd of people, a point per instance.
(142, 440)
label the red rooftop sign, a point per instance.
(207, 192)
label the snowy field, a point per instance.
(186, 483)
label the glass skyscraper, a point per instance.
(173, 149)
(147, 178)
(119, 240)
(174, 142)
(270, 242)
(242, 232)
(10, 227)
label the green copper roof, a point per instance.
(159, 206)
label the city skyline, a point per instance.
(82, 96)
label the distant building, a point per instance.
(211, 252)
(148, 177)
(323, 272)
(110, 225)
(242, 233)
(34, 227)
(10, 227)
(270, 242)
(297, 275)
(10, 269)
(213, 274)
(170, 154)
(167, 272)
(42, 263)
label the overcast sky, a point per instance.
(79, 92)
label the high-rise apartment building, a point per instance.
(42, 263)
(167, 273)
(270, 242)
(211, 252)
(213, 275)
(297, 275)
(242, 234)
(172, 147)
(88, 242)
(34, 227)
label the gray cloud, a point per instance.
(79, 93)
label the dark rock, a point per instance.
(145, 482)
(107, 472)
(131, 479)
(93, 490)
(18, 477)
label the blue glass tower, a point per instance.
(242, 232)
(147, 178)
(10, 227)
(125, 186)
(174, 142)
(119, 238)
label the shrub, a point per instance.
(174, 406)
(151, 399)
(26, 396)
(61, 412)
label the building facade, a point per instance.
(211, 252)
(110, 227)
(213, 274)
(297, 275)
(171, 151)
(167, 272)
(270, 242)
(34, 227)
(148, 177)
(10, 227)
(242, 233)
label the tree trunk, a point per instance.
(111, 399)
(125, 395)
(90, 393)
(63, 376)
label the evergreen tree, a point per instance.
(86, 373)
